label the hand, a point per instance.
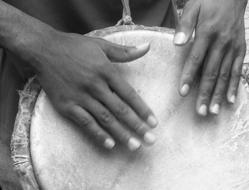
(84, 86)
(218, 50)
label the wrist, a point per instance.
(23, 35)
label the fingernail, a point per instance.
(185, 89)
(109, 143)
(244, 68)
(143, 47)
(203, 110)
(133, 144)
(232, 99)
(180, 38)
(149, 138)
(152, 121)
(215, 109)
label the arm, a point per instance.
(76, 74)
(218, 50)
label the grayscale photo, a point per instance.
(124, 95)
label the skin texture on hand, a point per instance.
(218, 50)
(78, 77)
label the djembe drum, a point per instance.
(191, 153)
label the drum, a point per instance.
(191, 153)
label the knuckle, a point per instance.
(89, 81)
(125, 52)
(187, 77)
(218, 97)
(240, 47)
(224, 76)
(139, 127)
(224, 40)
(145, 113)
(210, 77)
(122, 110)
(110, 73)
(106, 118)
(81, 118)
(205, 94)
(95, 88)
(85, 121)
(64, 109)
(99, 134)
(208, 30)
(132, 93)
(186, 21)
(194, 59)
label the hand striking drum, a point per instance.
(50, 152)
(191, 152)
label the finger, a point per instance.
(130, 96)
(110, 124)
(222, 83)
(235, 79)
(119, 53)
(82, 118)
(209, 78)
(187, 23)
(193, 63)
(124, 114)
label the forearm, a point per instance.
(19, 32)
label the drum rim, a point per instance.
(20, 141)
(114, 29)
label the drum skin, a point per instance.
(191, 152)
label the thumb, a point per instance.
(187, 23)
(119, 53)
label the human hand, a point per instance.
(218, 50)
(84, 86)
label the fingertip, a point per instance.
(152, 121)
(214, 109)
(202, 110)
(143, 47)
(180, 38)
(231, 99)
(141, 50)
(109, 143)
(184, 90)
(134, 144)
(149, 138)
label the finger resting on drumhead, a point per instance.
(126, 115)
(109, 123)
(221, 84)
(193, 64)
(120, 53)
(83, 119)
(235, 79)
(208, 80)
(187, 24)
(131, 98)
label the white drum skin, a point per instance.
(191, 152)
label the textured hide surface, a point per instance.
(191, 153)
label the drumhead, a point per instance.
(191, 152)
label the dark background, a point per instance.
(180, 3)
